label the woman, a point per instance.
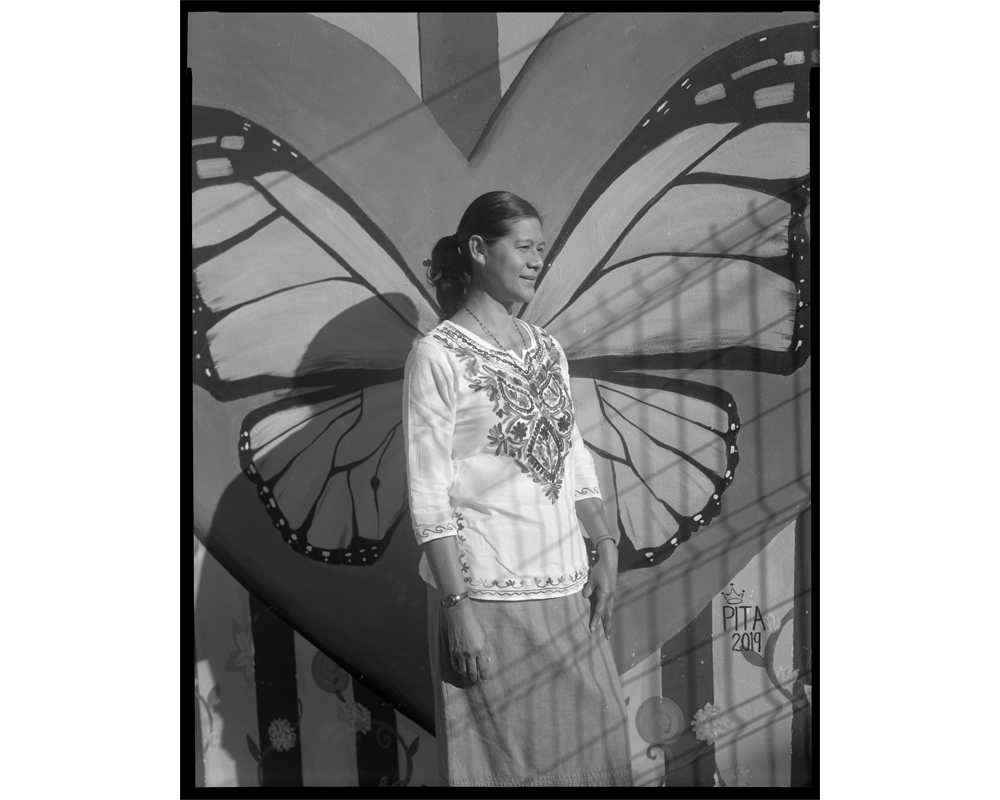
(502, 492)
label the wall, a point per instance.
(669, 155)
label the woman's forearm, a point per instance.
(590, 512)
(442, 555)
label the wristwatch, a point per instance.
(451, 599)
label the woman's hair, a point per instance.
(491, 216)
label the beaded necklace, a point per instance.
(494, 338)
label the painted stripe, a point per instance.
(639, 684)
(770, 62)
(757, 751)
(279, 739)
(329, 753)
(203, 140)
(227, 704)
(199, 747)
(232, 143)
(459, 72)
(802, 650)
(687, 677)
(417, 754)
(378, 760)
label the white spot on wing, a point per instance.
(214, 168)
(754, 67)
(709, 95)
(774, 95)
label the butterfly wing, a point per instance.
(688, 250)
(292, 282)
(665, 451)
(296, 290)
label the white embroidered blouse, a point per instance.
(494, 458)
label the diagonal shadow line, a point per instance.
(558, 28)
(545, 675)
(672, 463)
(640, 590)
(717, 637)
(675, 292)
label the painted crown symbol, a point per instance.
(732, 598)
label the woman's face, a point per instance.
(513, 262)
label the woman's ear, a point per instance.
(477, 246)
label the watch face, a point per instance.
(449, 601)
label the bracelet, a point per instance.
(602, 538)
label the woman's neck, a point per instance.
(494, 314)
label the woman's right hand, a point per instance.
(467, 643)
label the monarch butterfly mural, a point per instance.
(678, 283)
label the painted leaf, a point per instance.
(753, 657)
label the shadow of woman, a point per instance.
(326, 459)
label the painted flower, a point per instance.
(356, 716)
(281, 734)
(659, 720)
(743, 776)
(241, 659)
(772, 622)
(328, 674)
(710, 724)
(519, 431)
(786, 675)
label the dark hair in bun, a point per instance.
(491, 216)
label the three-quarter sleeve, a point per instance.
(428, 429)
(580, 461)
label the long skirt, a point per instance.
(552, 712)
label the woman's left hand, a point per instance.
(601, 585)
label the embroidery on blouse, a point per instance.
(425, 532)
(531, 399)
(588, 490)
(561, 590)
(462, 539)
(534, 584)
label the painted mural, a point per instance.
(674, 185)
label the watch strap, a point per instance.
(452, 599)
